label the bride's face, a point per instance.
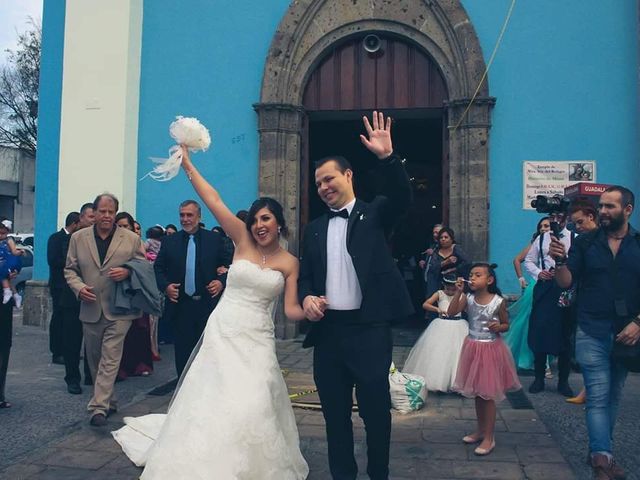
(265, 228)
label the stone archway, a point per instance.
(442, 29)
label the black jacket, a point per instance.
(384, 294)
(170, 264)
(57, 248)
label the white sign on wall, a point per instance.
(550, 178)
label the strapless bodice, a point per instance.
(248, 299)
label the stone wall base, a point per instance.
(37, 305)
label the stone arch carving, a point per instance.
(441, 28)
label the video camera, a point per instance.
(549, 205)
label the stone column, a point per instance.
(280, 126)
(469, 173)
(37, 306)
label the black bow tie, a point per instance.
(344, 213)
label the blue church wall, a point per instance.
(217, 80)
(50, 98)
(565, 79)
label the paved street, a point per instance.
(42, 409)
(45, 435)
(567, 425)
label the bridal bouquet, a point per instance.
(186, 131)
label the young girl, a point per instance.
(435, 355)
(9, 262)
(486, 369)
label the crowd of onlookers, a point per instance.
(579, 306)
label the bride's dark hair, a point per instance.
(274, 207)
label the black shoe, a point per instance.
(537, 386)
(74, 388)
(565, 389)
(57, 359)
(98, 420)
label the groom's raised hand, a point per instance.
(379, 141)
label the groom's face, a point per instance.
(335, 187)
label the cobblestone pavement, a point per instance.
(42, 409)
(424, 445)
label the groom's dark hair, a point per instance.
(342, 163)
(274, 207)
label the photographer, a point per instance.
(605, 264)
(550, 325)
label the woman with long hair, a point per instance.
(516, 337)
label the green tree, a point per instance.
(19, 84)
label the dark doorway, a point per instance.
(418, 137)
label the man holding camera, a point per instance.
(605, 264)
(550, 325)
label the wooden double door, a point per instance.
(402, 81)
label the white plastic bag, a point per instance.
(408, 391)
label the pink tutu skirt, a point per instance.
(486, 370)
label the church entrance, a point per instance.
(331, 62)
(402, 81)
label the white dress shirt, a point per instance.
(532, 260)
(342, 286)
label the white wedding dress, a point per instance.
(231, 417)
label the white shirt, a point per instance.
(532, 260)
(342, 286)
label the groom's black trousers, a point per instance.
(349, 352)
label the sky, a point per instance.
(13, 19)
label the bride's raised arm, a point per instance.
(232, 225)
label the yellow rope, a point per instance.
(486, 70)
(303, 393)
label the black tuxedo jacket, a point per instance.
(171, 260)
(384, 294)
(57, 248)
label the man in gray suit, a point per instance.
(94, 265)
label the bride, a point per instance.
(231, 417)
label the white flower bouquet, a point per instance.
(186, 131)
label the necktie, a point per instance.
(344, 213)
(190, 268)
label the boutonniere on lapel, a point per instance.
(362, 216)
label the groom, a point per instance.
(350, 288)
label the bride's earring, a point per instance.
(279, 230)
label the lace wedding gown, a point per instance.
(231, 417)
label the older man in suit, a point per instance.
(351, 289)
(94, 265)
(186, 271)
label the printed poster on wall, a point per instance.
(550, 178)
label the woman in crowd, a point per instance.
(152, 246)
(170, 229)
(448, 259)
(6, 324)
(516, 337)
(136, 355)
